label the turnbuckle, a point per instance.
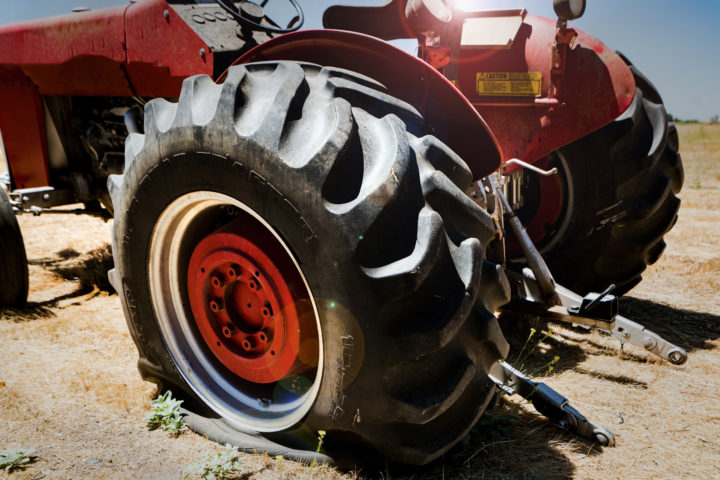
(550, 403)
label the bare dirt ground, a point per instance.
(70, 390)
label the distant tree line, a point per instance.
(673, 118)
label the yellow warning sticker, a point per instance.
(519, 84)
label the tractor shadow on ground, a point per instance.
(88, 270)
(685, 328)
(492, 450)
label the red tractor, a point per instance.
(313, 229)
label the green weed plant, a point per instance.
(166, 415)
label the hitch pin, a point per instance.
(539, 171)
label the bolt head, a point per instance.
(249, 343)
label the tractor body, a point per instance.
(146, 49)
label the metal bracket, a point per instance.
(549, 403)
(635, 334)
(558, 313)
(601, 306)
(39, 200)
(621, 328)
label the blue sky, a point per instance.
(675, 43)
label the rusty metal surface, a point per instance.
(90, 53)
(58, 53)
(144, 48)
(162, 49)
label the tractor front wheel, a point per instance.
(294, 255)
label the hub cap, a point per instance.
(244, 307)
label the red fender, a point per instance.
(448, 114)
(597, 88)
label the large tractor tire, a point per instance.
(601, 221)
(293, 255)
(13, 260)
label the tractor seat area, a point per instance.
(396, 19)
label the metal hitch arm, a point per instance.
(633, 333)
(549, 403)
(620, 327)
(545, 298)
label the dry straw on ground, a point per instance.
(70, 390)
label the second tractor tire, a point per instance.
(13, 259)
(619, 189)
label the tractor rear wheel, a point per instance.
(603, 218)
(293, 255)
(13, 260)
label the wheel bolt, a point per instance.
(263, 337)
(249, 343)
(216, 305)
(232, 272)
(217, 281)
(229, 331)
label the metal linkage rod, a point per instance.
(544, 278)
(549, 403)
(633, 333)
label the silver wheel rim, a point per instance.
(234, 399)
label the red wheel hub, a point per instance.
(250, 303)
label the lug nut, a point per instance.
(216, 305)
(229, 331)
(232, 272)
(249, 343)
(217, 281)
(263, 337)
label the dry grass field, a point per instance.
(70, 390)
